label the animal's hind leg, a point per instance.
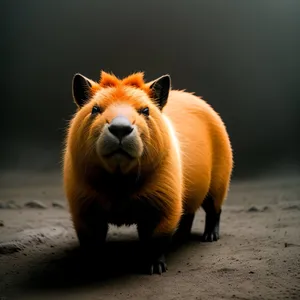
(212, 219)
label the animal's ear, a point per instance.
(81, 89)
(160, 90)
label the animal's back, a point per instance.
(205, 149)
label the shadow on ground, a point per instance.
(119, 259)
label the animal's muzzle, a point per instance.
(120, 127)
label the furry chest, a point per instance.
(130, 212)
(123, 213)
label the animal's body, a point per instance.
(141, 153)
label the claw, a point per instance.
(210, 237)
(159, 269)
(216, 236)
(159, 266)
(151, 269)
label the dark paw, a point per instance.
(210, 236)
(158, 266)
(212, 227)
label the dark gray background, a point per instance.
(243, 57)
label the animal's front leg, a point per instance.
(154, 246)
(91, 227)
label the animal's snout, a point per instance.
(120, 127)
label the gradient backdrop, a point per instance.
(243, 57)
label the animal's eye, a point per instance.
(145, 111)
(96, 110)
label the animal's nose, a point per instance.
(120, 127)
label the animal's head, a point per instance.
(118, 124)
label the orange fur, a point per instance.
(174, 179)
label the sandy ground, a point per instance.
(257, 257)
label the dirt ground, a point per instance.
(257, 256)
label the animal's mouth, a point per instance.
(119, 151)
